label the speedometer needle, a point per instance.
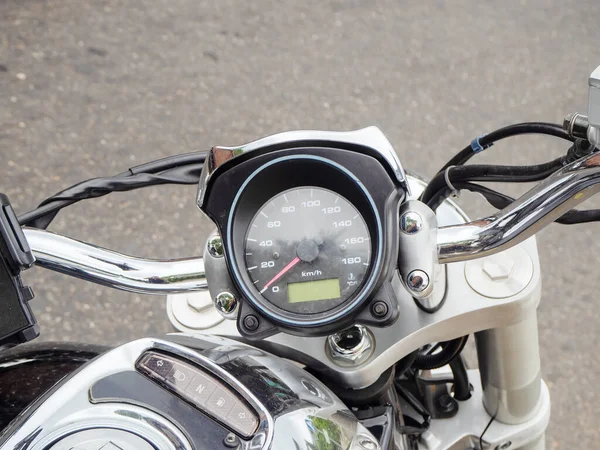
(294, 261)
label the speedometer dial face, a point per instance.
(307, 250)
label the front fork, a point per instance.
(509, 365)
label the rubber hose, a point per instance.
(462, 388)
(450, 350)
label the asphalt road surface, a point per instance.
(90, 88)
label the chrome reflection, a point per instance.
(371, 137)
(109, 268)
(553, 197)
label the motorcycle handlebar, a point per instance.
(112, 269)
(540, 206)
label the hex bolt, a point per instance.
(198, 303)
(379, 309)
(251, 322)
(411, 222)
(498, 269)
(447, 404)
(417, 281)
(215, 246)
(231, 441)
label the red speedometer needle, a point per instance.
(294, 261)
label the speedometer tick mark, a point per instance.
(336, 199)
(285, 196)
(248, 254)
(356, 216)
(252, 268)
(263, 213)
(365, 264)
(311, 193)
(254, 282)
(254, 225)
(251, 240)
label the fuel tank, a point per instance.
(28, 372)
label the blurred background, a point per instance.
(91, 88)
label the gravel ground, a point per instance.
(90, 88)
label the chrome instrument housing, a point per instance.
(371, 137)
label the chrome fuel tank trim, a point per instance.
(293, 407)
(67, 408)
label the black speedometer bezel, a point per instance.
(362, 162)
(282, 174)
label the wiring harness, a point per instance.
(455, 176)
(179, 169)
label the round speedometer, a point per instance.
(308, 250)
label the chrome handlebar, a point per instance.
(540, 206)
(546, 202)
(112, 269)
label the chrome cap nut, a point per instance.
(411, 222)
(351, 347)
(417, 281)
(226, 304)
(215, 246)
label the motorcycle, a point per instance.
(329, 310)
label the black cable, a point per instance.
(438, 189)
(160, 165)
(181, 169)
(499, 200)
(462, 387)
(485, 430)
(550, 129)
(450, 350)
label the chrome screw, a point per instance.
(215, 246)
(417, 281)
(411, 222)
(231, 440)
(226, 304)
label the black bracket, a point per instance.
(17, 323)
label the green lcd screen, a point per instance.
(311, 291)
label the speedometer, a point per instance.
(307, 250)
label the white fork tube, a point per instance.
(509, 363)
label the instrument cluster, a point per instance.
(308, 222)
